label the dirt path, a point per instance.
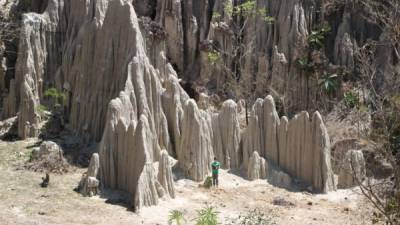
(23, 201)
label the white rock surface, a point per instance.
(257, 168)
(196, 152)
(352, 169)
(226, 139)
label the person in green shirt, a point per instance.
(215, 170)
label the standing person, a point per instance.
(215, 170)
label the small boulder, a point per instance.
(257, 167)
(49, 157)
(88, 186)
(280, 178)
(352, 170)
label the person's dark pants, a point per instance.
(215, 179)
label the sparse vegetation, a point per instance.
(207, 216)
(58, 98)
(213, 57)
(329, 83)
(351, 99)
(208, 182)
(235, 85)
(316, 39)
(253, 217)
(176, 217)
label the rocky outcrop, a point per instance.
(352, 170)
(195, 153)
(165, 174)
(48, 149)
(279, 178)
(28, 117)
(257, 168)
(9, 102)
(174, 98)
(300, 146)
(88, 186)
(226, 136)
(49, 158)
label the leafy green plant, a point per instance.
(248, 9)
(317, 37)
(42, 109)
(305, 65)
(253, 217)
(216, 15)
(207, 216)
(213, 57)
(55, 94)
(329, 83)
(351, 100)
(207, 182)
(177, 217)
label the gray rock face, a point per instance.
(196, 152)
(48, 149)
(165, 174)
(28, 117)
(257, 168)
(9, 102)
(89, 183)
(279, 178)
(300, 146)
(352, 170)
(226, 137)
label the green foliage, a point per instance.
(248, 9)
(207, 216)
(317, 37)
(305, 65)
(57, 96)
(329, 83)
(31, 156)
(254, 217)
(228, 8)
(207, 182)
(216, 15)
(177, 217)
(42, 109)
(213, 57)
(351, 99)
(393, 207)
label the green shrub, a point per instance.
(329, 83)
(213, 57)
(207, 182)
(55, 94)
(254, 217)
(177, 217)
(317, 37)
(42, 109)
(207, 216)
(351, 99)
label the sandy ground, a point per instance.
(23, 201)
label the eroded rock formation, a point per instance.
(195, 153)
(88, 186)
(227, 136)
(300, 146)
(257, 168)
(128, 97)
(352, 170)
